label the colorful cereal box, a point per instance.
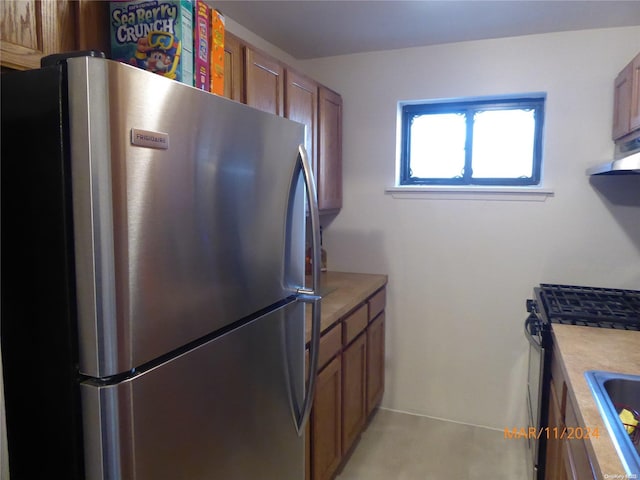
(201, 45)
(217, 53)
(156, 35)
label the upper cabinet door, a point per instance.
(32, 29)
(634, 116)
(329, 150)
(93, 31)
(626, 102)
(233, 68)
(264, 84)
(622, 103)
(301, 105)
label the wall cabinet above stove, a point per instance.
(626, 104)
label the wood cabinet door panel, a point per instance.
(554, 468)
(622, 103)
(354, 377)
(301, 105)
(264, 84)
(93, 26)
(634, 115)
(329, 150)
(21, 23)
(32, 29)
(233, 63)
(577, 457)
(326, 420)
(375, 363)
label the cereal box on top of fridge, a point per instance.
(201, 45)
(217, 53)
(155, 35)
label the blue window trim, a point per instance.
(535, 102)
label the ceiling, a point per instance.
(319, 28)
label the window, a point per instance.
(495, 141)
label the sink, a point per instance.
(612, 391)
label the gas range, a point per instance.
(589, 306)
(570, 305)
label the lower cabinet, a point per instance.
(567, 456)
(354, 385)
(349, 387)
(576, 462)
(375, 362)
(554, 468)
(326, 421)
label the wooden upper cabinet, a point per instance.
(634, 116)
(277, 89)
(301, 105)
(264, 83)
(233, 68)
(626, 103)
(329, 150)
(92, 29)
(622, 103)
(32, 29)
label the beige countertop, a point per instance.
(346, 291)
(588, 348)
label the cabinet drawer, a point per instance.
(330, 345)
(354, 324)
(377, 303)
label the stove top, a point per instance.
(591, 306)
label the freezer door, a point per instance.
(223, 410)
(186, 213)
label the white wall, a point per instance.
(460, 270)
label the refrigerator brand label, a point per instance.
(147, 138)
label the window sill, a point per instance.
(437, 192)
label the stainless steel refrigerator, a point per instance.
(153, 297)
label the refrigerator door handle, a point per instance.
(314, 216)
(314, 348)
(311, 296)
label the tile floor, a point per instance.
(399, 446)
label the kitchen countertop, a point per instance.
(588, 348)
(345, 291)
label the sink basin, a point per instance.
(612, 392)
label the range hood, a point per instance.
(626, 159)
(629, 165)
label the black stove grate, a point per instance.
(591, 306)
